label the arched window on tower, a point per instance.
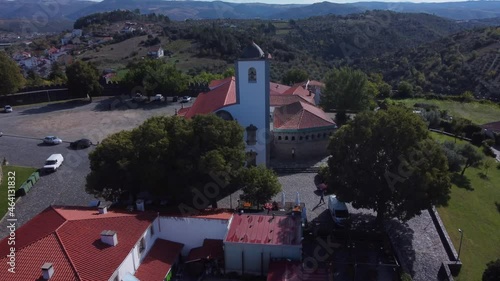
(251, 134)
(252, 75)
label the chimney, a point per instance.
(47, 270)
(103, 209)
(139, 204)
(109, 237)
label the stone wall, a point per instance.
(305, 145)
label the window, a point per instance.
(152, 230)
(319, 136)
(251, 135)
(286, 137)
(307, 137)
(293, 138)
(142, 246)
(252, 75)
(324, 135)
(312, 136)
(251, 158)
(301, 137)
(279, 137)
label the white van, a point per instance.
(338, 210)
(53, 162)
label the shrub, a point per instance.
(406, 277)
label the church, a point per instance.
(279, 121)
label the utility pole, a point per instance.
(460, 247)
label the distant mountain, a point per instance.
(39, 12)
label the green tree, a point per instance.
(259, 184)
(34, 79)
(405, 89)
(57, 75)
(229, 72)
(386, 161)
(83, 80)
(455, 159)
(11, 79)
(472, 157)
(346, 88)
(293, 76)
(492, 271)
(171, 157)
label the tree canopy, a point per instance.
(260, 184)
(386, 161)
(83, 79)
(183, 160)
(155, 76)
(471, 155)
(346, 89)
(11, 79)
(295, 75)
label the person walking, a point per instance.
(322, 199)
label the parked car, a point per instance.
(7, 109)
(158, 97)
(53, 163)
(79, 144)
(175, 98)
(186, 99)
(52, 140)
(139, 97)
(338, 210)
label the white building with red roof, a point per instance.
(82, 243)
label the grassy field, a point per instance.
(476, 112)
(476, 211)
(442, 138)
(22, 174)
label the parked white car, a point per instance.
(139, 98)
(338, 210)
(7, 109)
(186, 99)
(53, 162)
(52, 140)
(158, 97)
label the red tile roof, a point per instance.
(159, 260)
(261, 229)
(223, 95)
(300, 115)
(293, 271)
(75, 243)
(276, 88)
(493, 126)
(211, 249)
(183, 111)
(280, 100)
(216, 83)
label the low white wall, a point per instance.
(191, 231)
(253, 253)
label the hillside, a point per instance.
(55, 11)
(465, 61)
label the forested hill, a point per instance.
(366, 34)
(465, 61)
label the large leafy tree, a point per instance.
(156, 76)
(386, 161)
(259, 184)
(83, 79)
(472, 156)
(170, 157)
(293, 76)
(11, 79)
(346, 89)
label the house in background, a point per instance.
(156, 52)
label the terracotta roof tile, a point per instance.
(262, 229)
(278, 88)
(300, 115)
(69, 237)
(223, 95)
(211, 248)
(159, 260)
(30, 259)
(280, 100)
(37, 228)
